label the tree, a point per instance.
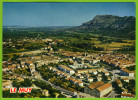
(61, 96)
(14, 58)
(27, 83)
(16, 84)
(35, 63)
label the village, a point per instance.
(86, 75)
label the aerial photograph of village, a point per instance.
(68, 50)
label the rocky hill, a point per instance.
(110, 25)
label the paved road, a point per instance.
(114, 77)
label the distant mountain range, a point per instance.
(110, 25)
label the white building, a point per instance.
(126, 79)
(95, 72)
(45, 92)
(90, 79)
(79, 83)
(80, 77)
(106, 73)
(99, 78)
(94, 61)
(76, 82)
(125, 72)
(66, 69)
(77, 65)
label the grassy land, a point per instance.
(71, 41)
(98, 43)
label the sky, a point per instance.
(61, 14)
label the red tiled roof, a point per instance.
(127, 94)
(63, 66)
(125, 70)
(95, 85)
(103, 87)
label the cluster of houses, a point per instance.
(22, 65)
(58, 72)
(75, 81)
(125, 93)
(118, 60)
(66, 69)
(6, 84)
(67, 76)
(67, 72)
(33, 72)
(98, 89)
(78, 60)
(90, 70)
(7, 80)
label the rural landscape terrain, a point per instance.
(93, 60)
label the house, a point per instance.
(80, 77)
(12, 67)
(66, 69)
(99, 74)
(87, 75)
(108, 78)
(45, 92)
(19, 79)
(90, 70)
(90, 79)
(22, 62)
(76, 82)
(36, 57)
(18, 65)
(5, 69)
(58, 73)
(36, 75)
(94, 61)
(106, 73)
(95, 72)
(6, 84)
(66, 76)
(22, 65)
(79, 83)
(32, 68)
(99, 78)
(12, 77)
(126, 79)
(98, 89)
(72, 80)
(29, 64)
(127, 95)
(49, 67)
(125, 72)
(77, 65)
(77, 74)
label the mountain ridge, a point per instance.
(110, 25)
